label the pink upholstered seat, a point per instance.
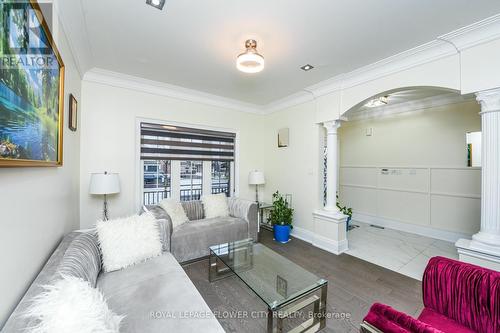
(458, 298)
(441, 322)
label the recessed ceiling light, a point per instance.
(379, 101)
(307, 67)
(250, 61)
(156, 3)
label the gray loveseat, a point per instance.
(192, 239)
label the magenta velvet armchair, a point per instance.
(458, 298)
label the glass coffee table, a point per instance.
(284, 286)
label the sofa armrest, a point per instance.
(247, 210)
(164, 224)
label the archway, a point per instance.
(403, 167)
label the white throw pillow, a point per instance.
(175, 210)
(127, 241)
(215, 205)
(72, 305)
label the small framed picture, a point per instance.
(73, 112)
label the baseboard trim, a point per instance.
(330, 245)
(303, 234)
(449, 236)
(319, 241)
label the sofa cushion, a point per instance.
(192, 240)
(442, 323)
(72, 305)
(128, 241)
(175, 210)
(83, 258)
(215, 205)
(157, 296)
(194, 210)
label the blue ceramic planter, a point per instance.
(281, 233)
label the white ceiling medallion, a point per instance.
(379, 101)
(250, 61)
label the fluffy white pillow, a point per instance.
(215, 205)
(175, 210)
(72, 305)
(127, 241)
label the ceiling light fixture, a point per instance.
(307, 67)
(250, 61)
(156, 3)
(379, 101)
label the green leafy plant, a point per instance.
(344, 209)
(281, 214)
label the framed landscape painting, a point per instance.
(31, 88)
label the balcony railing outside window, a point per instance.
(221, 177)
(191, 180)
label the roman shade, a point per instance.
(166, 142)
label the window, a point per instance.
(221, 177)
(157, 186)
(191, 187)
(183, 163)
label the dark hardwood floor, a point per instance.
(353, 285)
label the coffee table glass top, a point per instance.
(275, 279)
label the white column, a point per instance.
(329, 223)
(489, 236)
(484, 249)
(332, 165)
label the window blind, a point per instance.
(166, 142)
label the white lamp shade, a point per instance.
(256, 178)
(104, 183)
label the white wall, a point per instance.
(427, 184)
(108, 140)
(294, 169)
(38, 205)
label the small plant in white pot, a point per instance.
(281, 217)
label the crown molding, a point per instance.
(475, 34)
(298, 98)
(102, 76)
(420, 105)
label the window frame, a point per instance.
(139, 181)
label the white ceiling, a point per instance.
(193, 43)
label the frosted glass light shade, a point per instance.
(250, 63)
(256, 178)
(104, 183)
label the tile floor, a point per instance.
(399, 251)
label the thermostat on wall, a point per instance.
(369, 131)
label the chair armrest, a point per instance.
(367, 328)
(248, 211)
(388, 320)
(164, 224)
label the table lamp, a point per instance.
(104, 184)
(256, 178)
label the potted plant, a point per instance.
(280, 218)
(346, 211)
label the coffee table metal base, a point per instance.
(218, 270)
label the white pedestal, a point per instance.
(467, 252)
(330, 231)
